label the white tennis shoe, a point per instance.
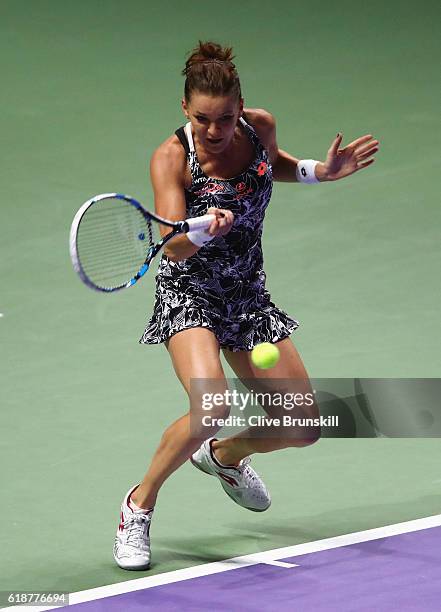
(241, 483)
(131, 550)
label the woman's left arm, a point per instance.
(339, 163)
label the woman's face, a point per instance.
(213, 119)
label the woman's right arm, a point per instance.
(167, 171)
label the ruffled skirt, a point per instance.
(240, 313)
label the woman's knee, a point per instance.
(303, 434)
(303, 442)
(207, 417)
(302, 439)
(209, 406)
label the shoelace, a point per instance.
(137, 527)
(245, 471)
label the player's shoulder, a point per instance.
(260, 119)
(264, 125)
(169, 154)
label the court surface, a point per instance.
(89, 90)
(398, 566)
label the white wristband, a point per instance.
(305, 171)
(199, 237)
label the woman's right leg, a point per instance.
(195, 354)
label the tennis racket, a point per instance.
(113, 241)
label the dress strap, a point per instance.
(189, 135)
(185, 137)
(180, 133)
(250, 131)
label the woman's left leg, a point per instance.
(230, 451)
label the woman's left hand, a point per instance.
(352, 158)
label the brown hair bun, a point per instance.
(209, 69)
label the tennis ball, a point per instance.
(265, 355)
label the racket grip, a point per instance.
(200, 223)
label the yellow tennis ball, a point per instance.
(265, 355)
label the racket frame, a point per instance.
(178, 227)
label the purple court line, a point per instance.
(401, 572)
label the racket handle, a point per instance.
(200, 223)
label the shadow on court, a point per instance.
(193, 550)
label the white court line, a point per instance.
(281, 564)
(268, 556)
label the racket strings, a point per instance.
(112, 242)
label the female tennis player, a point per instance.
(211, 291)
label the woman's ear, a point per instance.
(185, 108)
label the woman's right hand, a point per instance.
(222, 223)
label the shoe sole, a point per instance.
(229, 495)
(133, 569)
(141, 568)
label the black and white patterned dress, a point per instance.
(222, 286)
